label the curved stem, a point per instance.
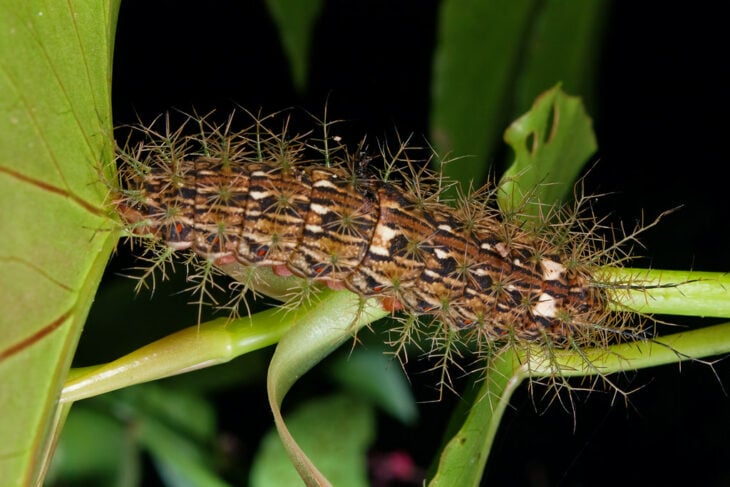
(677, 347)
(317, 335)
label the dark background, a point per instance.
(660, 115)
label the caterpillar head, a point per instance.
(158, 203)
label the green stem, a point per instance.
(211, 343)
(685, 293)
(688, 345)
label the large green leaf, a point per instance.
(55, 122)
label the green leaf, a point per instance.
(55, 123)
(187, 412)
(321, 326)
(180, 461)
(296, 21)
(96, 446)
(478, 49)
(176, 427)
(370, 373)
(563, 46)
(551, 142)
(335, 430)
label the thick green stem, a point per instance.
(689, 345)
(211, 343)
(215, 342)
(685, 293)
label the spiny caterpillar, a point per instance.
(259, 197)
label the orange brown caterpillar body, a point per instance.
(259, 203)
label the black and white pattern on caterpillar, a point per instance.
(261, 198)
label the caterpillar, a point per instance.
(259, 197)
